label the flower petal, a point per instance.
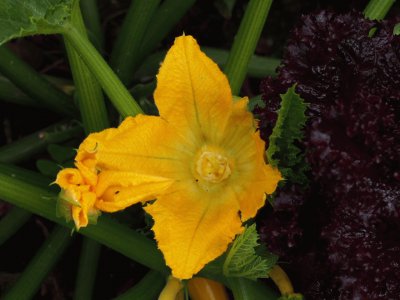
(192, 92)
(193, 228)
(117, 190)
(80, 214)
(143, 144)
(262, 179)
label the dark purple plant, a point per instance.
(341, 236)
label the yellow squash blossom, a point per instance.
(201, 159)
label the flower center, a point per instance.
(213, 167)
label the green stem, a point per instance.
(33, 84)
(87, 269)
(11, 222)
(25, 147)
(245, 42)
(29, 281)
(125, 55)
(24, 175)
(245, 289)
(11, 94)
(115, 90)
(377, 9)
(147, 289)
(107, 231)
(169, 13)
(90, 95)
(90, 12)
(259, 66)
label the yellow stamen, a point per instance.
(213, 167)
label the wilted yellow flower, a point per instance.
(201, 159)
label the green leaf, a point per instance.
(21, 17)
(244, 259)
(396, 29)
(47, 167)
(63, 209)
(282, 150)
(61, 154)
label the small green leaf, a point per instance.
(243, 259)
(93, 215)
(47, 167)
(282, 151)
(63, 209)
(396, 29)
(22, 18)
(61, 154)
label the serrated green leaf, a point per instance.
(242, 259)
(61, 154)
(28, 17)
(282, 151)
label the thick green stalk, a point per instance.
(245, 42)
(17, 217)
(125, 55)
(11, 222)
(169, 13)
(147, 289)
(11, 94)
(94, 117)
(89, 93)
(87, 268)
(25, 175)
(246, 289)
(33, 84)
(107, 231)
(115, 90)
(25, 147)
(259, 66)
(90, 13)
(377, 9)
(29, 281)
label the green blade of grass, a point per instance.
(33, 84)
(89, 93)
(29, 281)
(126, 51)
(25, 147)
(377, 9)
(245, 42)
(11, 222)
(87, 268)
(146, 289)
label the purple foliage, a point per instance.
(341, 236)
